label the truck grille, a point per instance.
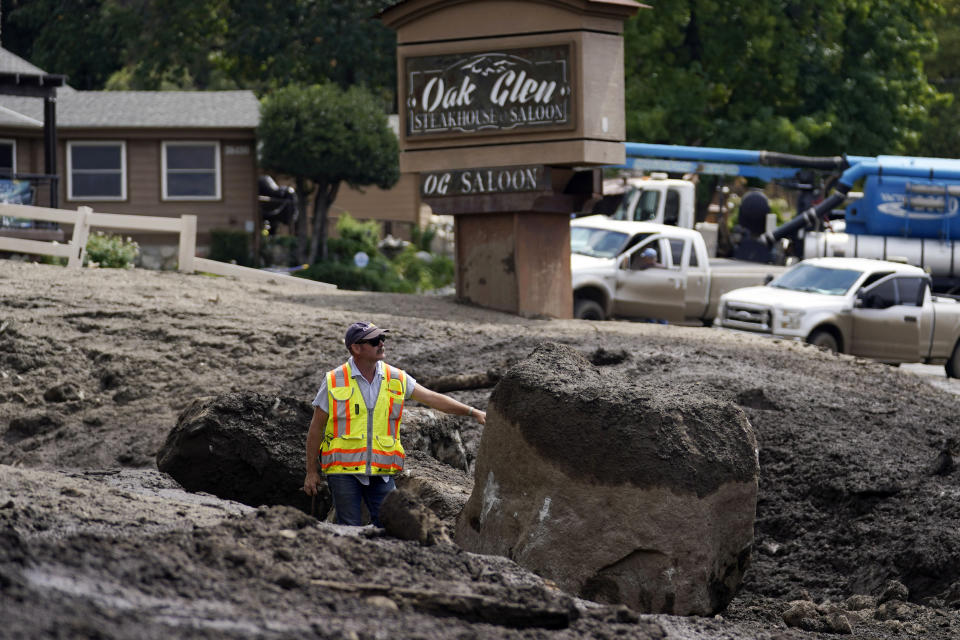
(747, 317)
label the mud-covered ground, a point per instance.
(858, 483)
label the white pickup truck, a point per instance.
(611, 278)
(871, 308)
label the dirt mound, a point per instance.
(855, 486)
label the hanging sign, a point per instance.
(491, 91)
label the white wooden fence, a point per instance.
(84, 218)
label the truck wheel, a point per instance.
(586, 309)
(953, 364)
(824, 340)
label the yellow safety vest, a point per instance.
(358, 441)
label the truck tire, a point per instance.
(953, 364)
(587, 309)
(824, 339)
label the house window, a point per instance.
(96, 170)
(191, 171)
(8, 158)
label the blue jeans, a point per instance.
(349, 494)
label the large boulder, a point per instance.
(618, 493)
(243, 446)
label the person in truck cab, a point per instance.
(646, 259)
(355, 429)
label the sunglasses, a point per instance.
(373, 342)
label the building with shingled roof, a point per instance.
(159, 153)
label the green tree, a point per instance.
(82, 39)
(273, 44)
(820, 77)
(323, 136)
(941, 135)
(171, 44)
(205, 44)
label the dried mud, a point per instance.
(858, 482)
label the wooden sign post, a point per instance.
(507, 110)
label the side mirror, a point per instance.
(768, 279)
(860, 301)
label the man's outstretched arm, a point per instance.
(446, 404)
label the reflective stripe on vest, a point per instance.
(396, 408)
(339, 410)
(347, 446)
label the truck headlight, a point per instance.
(791, 318)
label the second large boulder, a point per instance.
(619, 493)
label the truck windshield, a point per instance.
(816, 279)
(638, 204)
(647, 206)
(623, 209)
(600, 243)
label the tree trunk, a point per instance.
(301, 227)
(326, 194)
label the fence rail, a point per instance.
(84, 218)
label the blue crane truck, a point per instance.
(905, 209)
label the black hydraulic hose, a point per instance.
(774, 158)
(807, 219)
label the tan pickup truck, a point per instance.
(679, 282)
(871, 308)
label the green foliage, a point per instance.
(231, 245)
(821, 77)
(79, 38)
(423, 238)
(205, 44)
(408, 272)
(377, 276)
(56, 261)
(426, 275)
(270, 45)
(111, 251)
(278, 250)
(354, 236)
(940, 136)
(328, 135)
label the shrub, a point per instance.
(279, 250)
(407, 272)
(425, 274)
(354, 236)
(230, 245)
(423, 238)
(376, 276)
(111, 251)
(443, 270)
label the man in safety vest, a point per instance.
(355, 429)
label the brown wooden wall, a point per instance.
(237, 205)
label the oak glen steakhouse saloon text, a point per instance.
(514, 96)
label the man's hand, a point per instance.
(311, 482)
